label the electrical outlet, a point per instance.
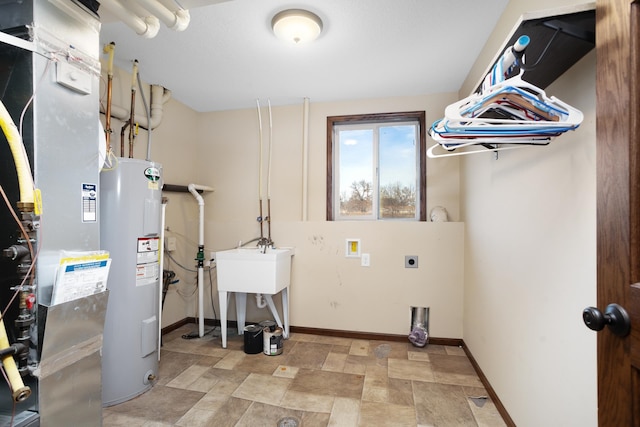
(365, 260)
(210, 262)
(170, 244)
(411, 261)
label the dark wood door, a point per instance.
(618, 205)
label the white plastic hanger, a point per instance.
(505, 114)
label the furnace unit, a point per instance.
(49, 84)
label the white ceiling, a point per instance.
(228, 57)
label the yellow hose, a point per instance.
(19, 391)
(25, 180)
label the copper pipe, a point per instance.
(131, 132)
(133, 107)
(107, 122)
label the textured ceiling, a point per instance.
(228, 57)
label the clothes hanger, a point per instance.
(467, 109)
(506, 113)
(438, 150)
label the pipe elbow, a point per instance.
(182, 20)
(152, 27)
(193, 190)
(260, 301)
(166, 95)
(159, 96)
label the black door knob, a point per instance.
(615, 317)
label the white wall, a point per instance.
(519, 270)
(328, 290)
(530, 267)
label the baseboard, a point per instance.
(456, 342)
(490, 391)
(371, 336)
(326, 332)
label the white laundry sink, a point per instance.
(252, 271)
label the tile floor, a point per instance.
(316, 381)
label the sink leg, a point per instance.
(223, 299)
(241, 310)
(272, 308)
(285, 311)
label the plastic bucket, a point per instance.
(253, 342)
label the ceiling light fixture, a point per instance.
(296, 25)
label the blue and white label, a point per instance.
(89, 202)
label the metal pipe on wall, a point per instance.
(148, 113)
(134, 83)
(109, 49)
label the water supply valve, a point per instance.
(200, 256)
(30, 301)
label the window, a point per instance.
(376, 166)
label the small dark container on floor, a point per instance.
(253, 342)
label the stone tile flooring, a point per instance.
(316, 381)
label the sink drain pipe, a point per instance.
(193, 189)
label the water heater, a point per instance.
(130, 212)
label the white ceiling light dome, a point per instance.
(296, 25)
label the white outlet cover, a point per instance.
(365, 260)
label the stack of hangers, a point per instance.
(509, 114)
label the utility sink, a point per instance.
(251, 270)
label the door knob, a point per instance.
(615, 317)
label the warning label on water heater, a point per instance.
(89, 202)
(147, 265)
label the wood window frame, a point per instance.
(418, 116)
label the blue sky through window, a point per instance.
(397, 156)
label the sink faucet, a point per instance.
(263, 244)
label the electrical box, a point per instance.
(411, 261)
(170, 244)
(353, 248)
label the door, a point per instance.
(618, 205)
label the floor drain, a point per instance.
(479, 401)
(382, 351)
(288, 422)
